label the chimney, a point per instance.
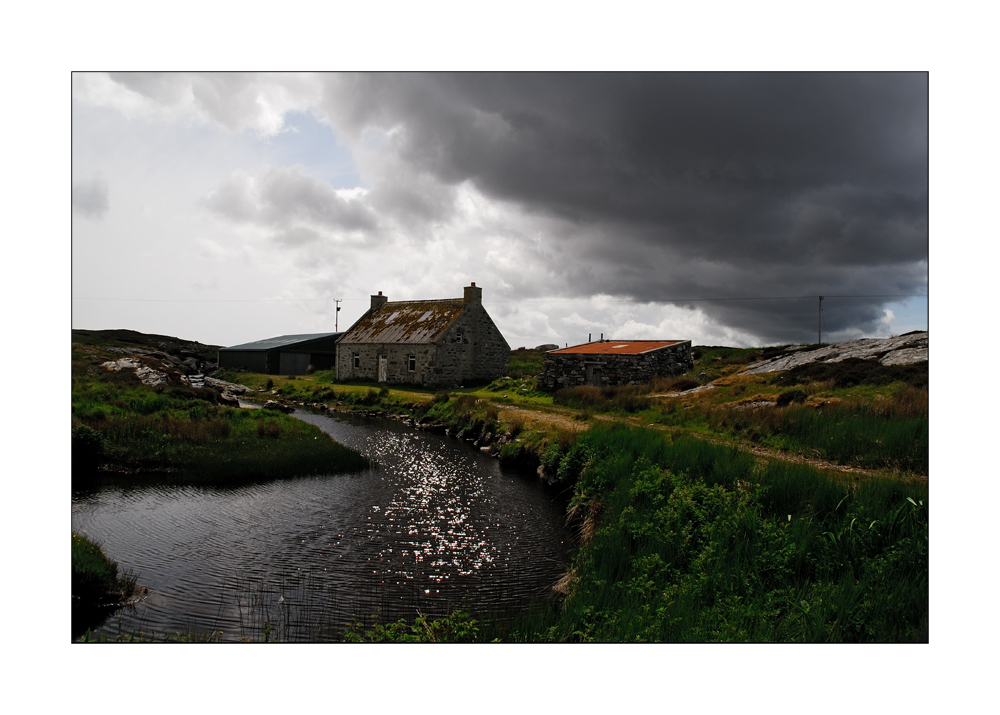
(473, 295)
(378, 301)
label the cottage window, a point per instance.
(357, 360)
(412, 363)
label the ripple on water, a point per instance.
(437, 525)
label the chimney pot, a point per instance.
(473, 295)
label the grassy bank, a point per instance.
(120, 425)
(97, 584)
(96, 579)
(689, 541)
(686, 541)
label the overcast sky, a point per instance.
(712, 207)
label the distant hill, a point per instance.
(166, 343)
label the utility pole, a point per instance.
(336, 319)
(819, 339)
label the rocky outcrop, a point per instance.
(155, 368)
(232, 387)
(900, 350)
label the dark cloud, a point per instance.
(90, 197)
(688, 184)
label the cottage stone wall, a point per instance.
(397, 362)
(570, 370)
(471, 350)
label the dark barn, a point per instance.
(283, 355)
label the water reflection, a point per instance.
(435, 526)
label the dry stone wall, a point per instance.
(571, 370)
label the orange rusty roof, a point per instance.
(405, 321)
(616, 347)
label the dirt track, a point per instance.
(563, 419)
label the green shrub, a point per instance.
(515, 425)
(268, 428)
(789, 396)
(855, 371)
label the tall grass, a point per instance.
(628, 398)
(874, 434)
(696, 542)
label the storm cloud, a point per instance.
(683, 185)
(721, 203)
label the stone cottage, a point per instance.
(607, 363)
(435, 343)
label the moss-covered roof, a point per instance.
(412, 321)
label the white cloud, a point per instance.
(235, 100)
(287, 198)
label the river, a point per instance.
(435, 526)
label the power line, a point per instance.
(522, 300)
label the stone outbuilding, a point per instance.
(434, 343)
(606, 363)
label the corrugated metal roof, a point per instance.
(282, 341)
(615, 347)
(405, 321)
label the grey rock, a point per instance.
(151, 377)
(223, 385)
(229, 399)
(759, 404)
(277, 406)
(905, 356)
(123, 364)
(904, 349)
